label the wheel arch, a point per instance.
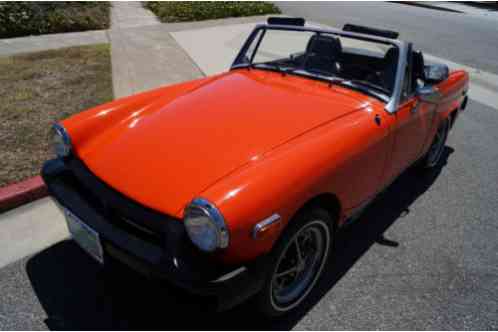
(454, 113)
(464, 103)
(452, 116)
(327, 201)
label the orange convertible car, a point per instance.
(234, 185)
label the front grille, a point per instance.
(137, 230)
(119, 210)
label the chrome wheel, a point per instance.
(299, 265)
(437, 147)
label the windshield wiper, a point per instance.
(330, 79)
(344, 81)
(364, 83)
(274, 66)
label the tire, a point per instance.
(433, 156)
(312, 232)
(113, 270)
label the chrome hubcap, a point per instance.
(299, 265)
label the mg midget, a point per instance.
(234, 185)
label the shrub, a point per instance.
(181, 11)
(34, 18)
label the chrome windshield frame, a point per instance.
(395, 98)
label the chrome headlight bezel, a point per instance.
(213, 220)
(62, 141)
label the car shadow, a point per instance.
(77, 295)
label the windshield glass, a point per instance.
(367, 65)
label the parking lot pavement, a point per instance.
(29, 229)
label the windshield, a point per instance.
(365, 65)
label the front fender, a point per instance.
(329, 159)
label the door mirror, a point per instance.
(436, 73)
(428, 94)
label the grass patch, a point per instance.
(34, 18)
(184, 11)
(37, 89)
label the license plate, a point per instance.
(84, 236)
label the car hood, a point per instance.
(166, 151)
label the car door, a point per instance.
(412, 123)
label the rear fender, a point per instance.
(453, 94)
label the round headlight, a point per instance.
(62, 142)
(205, 225)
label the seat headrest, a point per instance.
(418, 65)
(326, 46)
(391, 57)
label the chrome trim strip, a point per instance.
(393, 103)
(62, 132)
(230, 275)
(265, 223)
(131, 223)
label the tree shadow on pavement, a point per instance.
(76, 295)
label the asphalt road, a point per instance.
(423, 256)
(462, 38)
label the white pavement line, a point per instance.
(213, 50)
(30, 229)
(483, 95)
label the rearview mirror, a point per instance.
(436, 73)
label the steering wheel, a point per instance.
(365, 73)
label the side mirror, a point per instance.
(436, 73)
(428, 94)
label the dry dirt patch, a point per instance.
(37, 89)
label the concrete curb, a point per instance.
(21, 193)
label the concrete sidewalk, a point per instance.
(131, 14)
(29, 229)
(143, 54)
(147, 56)
(123, 15)
(11, 46)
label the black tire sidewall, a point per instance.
(426, 162)
(302, 219)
